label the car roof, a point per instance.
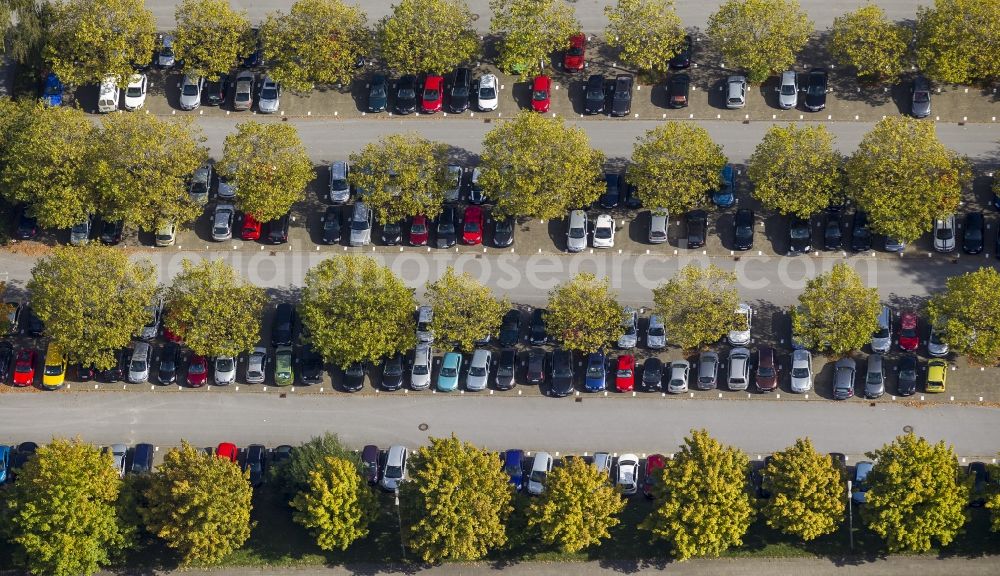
(395, 455)
(480, 356)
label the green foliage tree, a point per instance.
(648, 33)
(916, 494)
(269, 166)
(584, 314)
(993, 499)
(457, 500)
(760, 36)
(807, 492)
(90, 40)
(211, 37)
(836, 311)
(578, 508)
(464, 309)
(957, 39)
(702, 504)
(697, 305)
(139, 170)
(795, 170)
(317, 42)
(904, 177)
(91, 300)
(968, 309)
(61, 510)
(520, 157)
(674, 166)
(213, 310)
(357, 311)
(531, 30)
(428, 36)
(402, 175)
(27, 32)
(199, 505)
(337, 506)
(294, 475)
(870, 43)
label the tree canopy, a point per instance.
(759, 36)
(295, 474)
(337, 506)
(957, 39)
(836, 311)
(674, 166)
(584, 314)
(531, 30)
(211, 37)
(464, 309)
(796, 170)
(869, 42)
(428, 36)
(807, 492)
(402, 175)
(648, 33)
(969, 311)
(697, 304)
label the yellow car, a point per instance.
(937, 373)
(54, 374)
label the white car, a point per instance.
(630, 325)
(225, 370)
(135, 92)
(226, 190)
(479, 370)
(257, 366)
(540, 468)
(678, 382)
(222, 222)
(944, 233)
(802, 375)
(628, 473)
(487, 93)
(740, 336)
(656, 335)
(270, 92)
(138, 367)
(788, 92)
(118, 452)
(166, 234)
(395, 468)
(454, 189)
(107, 97)
(604, 232)
(191, 92)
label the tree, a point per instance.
(402, 175)
(211, 37)
(268, 165)
(904, 178)
(317, 42)
(648, 33)
(199, 505)
(702, 504)
(357, 311)
(957, 39)
(61, 510)
(531, 30)
(521, 159)
(993, 499)
(578, 508)
(916, 494)
(213, 310)
(428, 36)
(90, 40)
(92, 300)
(674, 166)
(807, 492)
(871, 43)
(583, 313)
(27, 33)
(457, 500)
(45, 166)
(760, 36)
(697, 305)
(464, 309)
(836, 312)
(968, 310)
(295, 474)
(337, 506)
(140, 169)
(795, 170)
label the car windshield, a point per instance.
(242, 92)
(407, 93)
(907, 375)
(921, 97)
(621, 95)
(487, 93)
(505, 370)
(471, 226)
(800, 232)
(190, 90)
(513, 469)
(540, 95)
(167, 365)
(656, 331)
(595, 371)
(446, 228)
(377, 91)
(788, 90)
(449, 372)
(477, 371)
(196, 368)
(576, 51)
(331, 224)
(562, 372)
(393, 472)
(359, 225)
(538, 476)
(393, 369)
(604, 232)
(136, 366)
(624, 373)
(133, 91)
(874, 378)
(269, 93)
(744, 230)
(420, 369)
(944, 233)
(596, 94)
(224, 365)
(460, 90)
(22, 368)
(765, 372)
(53, 369)
(418, 229)
(973, 232)
(800, 372)
(908, 333)
(431, 94)
(577, 233)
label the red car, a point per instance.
(573, 59)
(541, 93)
(418, 231)
(251, 228)
(433, 96)
(625, 377)
(472, 230)
(908, 339)
(197, 373)
(654, 463)
(227, 450)
(24, 367)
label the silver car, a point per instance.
(658, 223)
(920, 102)
(361, 225)
(191, 92)
(540, 468)
(739, 369)
(628, 473)
(201, 183)
(630, 323)
(843, 378)
(944, 233)
(257, 366)
(118, 452)
(138, 367)
(882, 337)
(678, 382)
(340, 187)
(479, 370)
(395, 468)
(165, 57)
(656, 335)
(788, 91)
(79, 234)
(454, 178)
(802, 375)
(708, 371)
(420, 372)
(222, 222)
(936, 346)
(152, 327)
(243, 92)
(875, 378)
(576, 233)
(224, 370)
(740, 335)
(736, 92)
(166, 234)
(602, 461)
(270, 92)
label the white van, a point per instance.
(107, 97)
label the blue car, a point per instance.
(52, 92)
(725, 196)
(448, 376)
(596, 372)
(513, 465)
(5, 463)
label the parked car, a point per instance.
(354, 377)
(696, 222)
(257, 365)
(630, 324)
(740, 335)
(861, 234)
(595, 95)
(395, 468)
(708, 371)
(894, 245)
(79, 233)
(625, 373)
(451, 366)
(513, 465)
(197, 372)
(574, 59)
(875, 377)
(655, 463)
(576, 233)
(678, 90)
(446, 233)
(843, 378)
(52, 90)
(486, 93)
(736, 92)
(503, 232)
(682, 59)
(53, 367)
(243, 91)
(788, 90)
(406, 94)
(254, 462)
(944, 233)
(222, 222)
(378, 93)
(170, 358)
(420, 370)
(816, 90)
(392, 233)
(768, 370)
(370, 461)
(621, 98)
(506, 365)
(937, 374)
(802, 375)
(138, 371)
(432, 97)
(656, 334)
(973, 233)
(310, 366)
(595, 377)
(135, 92)
(909, 339)
(214, 92)
(920, 99)
(361, 225)
(27, 225)
(541, 93)
(658, 224)
(142, 458)
(460, 92)
(860, 484)
(614, 183)
(725, 196)
(628, 474)
(166, 234)
(165, 57)
(332, 227)
(190, 90)
(472, 225)
(677, 382)
(541, 466)
(340, 187)
(224, 370)
(118, 453)
(268, 101)
(251, 228)
(799, 235)
(510, 328)
(536, 369)
(604, 232)
(537, 333)
(739, 369)
(284, 366)
(936, 345)
(906, 376)
(562, 373)
(479, 370)
(743, 229)
(6, 360)
(833, 236)
(418, 231)
(980, 492)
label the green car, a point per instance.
(450, 367)
(284, 374)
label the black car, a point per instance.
(906, 383)
(594, 95)
(254, 462)
(816, 90)
(503, 232)
(632, 200)
(170, 357)
(24, 452)
(283, 326)
(537, 360)
(759, 477)
(6, 360)
(310, 366)
(460, 91)
(392, 233)
(833, 236)
(85, 373)
(27, 225)
(652, 374)
(612, 190)
(972, 235)
(392, 373)
(536, 328)
(332, 225)
(505, 369)
(799, 235)
(861, 235)
(406, 94)
(111, 232)
(354, 377)
(678, 90)
(697, 228)
(213, 93)
(117, 372)
(510, 328)
(561, 381)
(277, 230)
(446, 234)
(743, 224)
(33, 325)
(683, 58)
(281, 454)
(621, 99)
(378, 93)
